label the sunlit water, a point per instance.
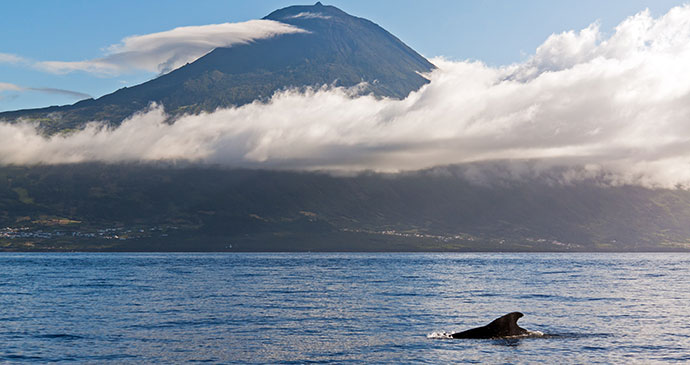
(373, 308)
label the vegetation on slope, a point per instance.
(194, 208)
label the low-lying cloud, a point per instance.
(165, 51)
(616, 107)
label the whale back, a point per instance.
(504, 326)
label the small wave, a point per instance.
(572, 335)
(61, 336)
(529, 334)
(13, 357)
(439, 335)
(449, 335)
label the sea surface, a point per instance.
(341, 307)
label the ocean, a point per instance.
(342, 307)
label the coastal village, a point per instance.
(119, 233)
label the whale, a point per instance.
(505, 326)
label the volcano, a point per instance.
(336, 49)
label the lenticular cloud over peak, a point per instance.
(618, 106)
(168, 50)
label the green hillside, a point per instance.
(193, 208)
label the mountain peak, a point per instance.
(335, 49)
(317, 11)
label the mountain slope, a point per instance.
(199, 208)
(337, 49)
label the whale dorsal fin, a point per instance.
(500, 327)
(506, 325)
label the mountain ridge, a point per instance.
(336, 49)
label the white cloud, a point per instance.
(308, 15)
(12, 87)
(4, 86)
(615, 108)
(165, 51)
(70, 93)
(11, 58)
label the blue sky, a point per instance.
(495, 32)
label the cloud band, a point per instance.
(164, 51)
(615, 107)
